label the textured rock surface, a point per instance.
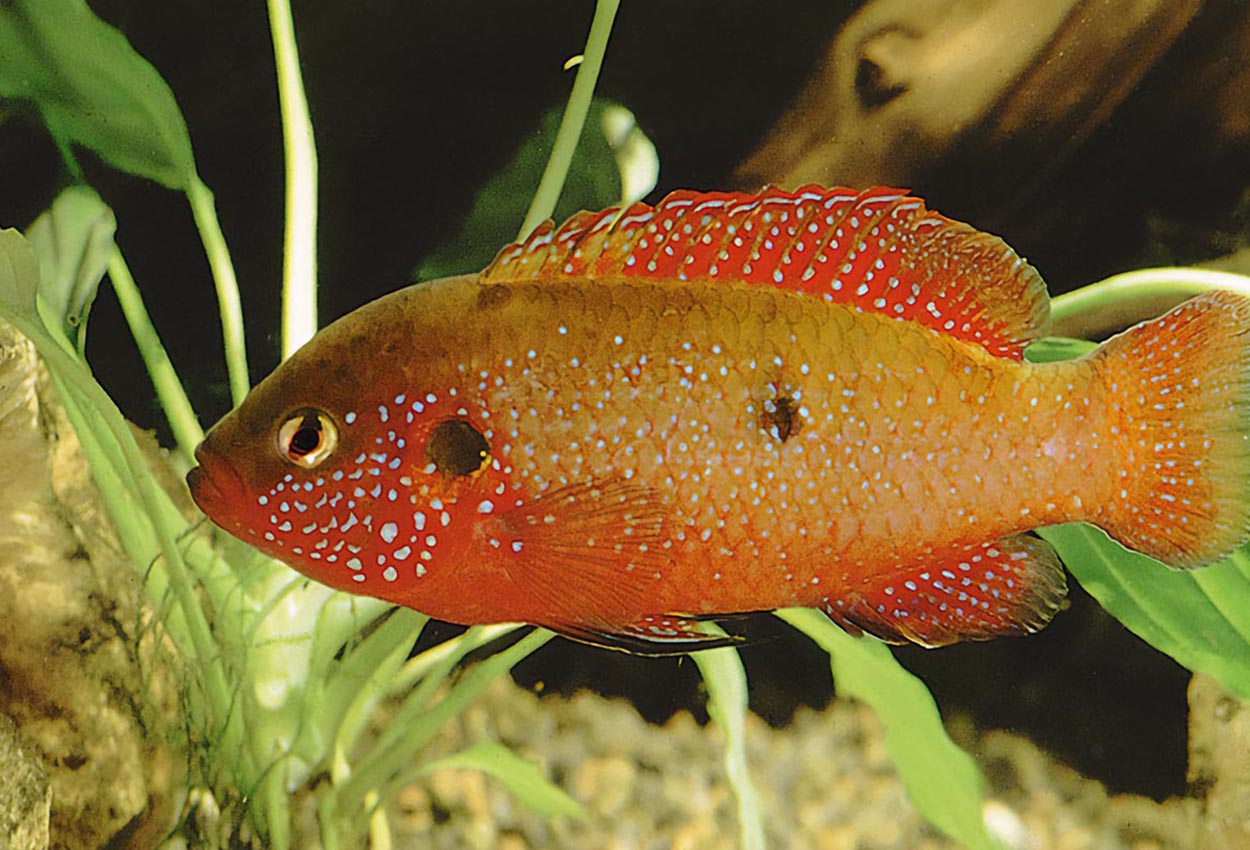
(25, 797)
(1219, 763)
(825, 783)
(69, 610)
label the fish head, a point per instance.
(361, 461)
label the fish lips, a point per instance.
(215, 485)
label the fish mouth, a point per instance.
(215, 484)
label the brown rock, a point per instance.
(25, 795)
(1219, 763)
(70, 617)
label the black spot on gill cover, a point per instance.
(456, 448)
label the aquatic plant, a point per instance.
(284, 676)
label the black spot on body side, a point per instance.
(779, 418)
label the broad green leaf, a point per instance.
(19, 280)
(74, 240)
(523, 779)
(726, 682)
(1200, 617)
(613, 153)
(942, 781)
(92, 89)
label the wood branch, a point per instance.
(903, 83)
(1065, 128)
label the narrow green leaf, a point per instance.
(726, 682)
(942, 781)
(1200, 617)
(611, 146)
(74, 240)
(92, 89)
(522, 778)
(1114, 303)
(414, 722)
(117, 460)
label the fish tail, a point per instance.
(1178, 389)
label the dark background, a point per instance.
(416, 104)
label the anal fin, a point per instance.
(1012, 586)
(655, 635)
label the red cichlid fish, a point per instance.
(732, 403)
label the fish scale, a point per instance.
(639, 419)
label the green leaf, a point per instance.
(92, 89)
(1057, 348)
(19, 280)
(522, 778)
(612, 153)
(726, 682)
(1200, 618)
(942, 781)
(74, 240)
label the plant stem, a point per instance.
(366, 672)
(408, 734)
(419, 665)
(544, 203)
(299, 266)
(1121, 300)
(173, 399)
(726, 682)
(205, 211)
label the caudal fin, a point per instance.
(1179, 389)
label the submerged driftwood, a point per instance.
(906, 85)
(1079, 129)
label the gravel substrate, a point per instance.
(825, 783)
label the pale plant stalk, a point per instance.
(549, 188)
(173, 399)
(726, 681)
(1125, 299)
(229, 305)
(299, 267)
(415, 723)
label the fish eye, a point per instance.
(457, 448)
(307, 438)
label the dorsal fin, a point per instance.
(879, 250)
